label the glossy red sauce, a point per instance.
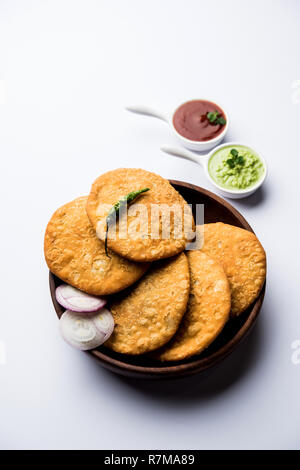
(191, 122)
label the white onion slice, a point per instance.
(104, 322)
(80, 331)
(77, 301)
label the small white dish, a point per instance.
(203, 160)
(198, 145)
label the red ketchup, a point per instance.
(190, 120)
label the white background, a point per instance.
(67, 69)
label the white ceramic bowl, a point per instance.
(203, 160)
(198, 145)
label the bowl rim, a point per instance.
(202, 143)
(196, 364)
(242, 192)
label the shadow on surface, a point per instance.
(259, 197)
(186, 391)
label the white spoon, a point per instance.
(190, 144)
(203, 161)
(147, 111)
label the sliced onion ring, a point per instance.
(80, 331)
(104, 322)
(77, 301)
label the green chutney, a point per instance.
(236, 167)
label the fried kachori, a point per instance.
(159, 223)
(242, 257)
(149, 313)
(207, 311)
(74, 253)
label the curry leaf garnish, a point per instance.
(115, 210)
(214, 117)
(235, 159)
(221, 121)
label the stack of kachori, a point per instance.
(166, 299)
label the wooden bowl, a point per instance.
(216, 209)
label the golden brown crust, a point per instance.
(148, 315)
(207, 311)
(110, 187)
(243, 259)
(75, 254)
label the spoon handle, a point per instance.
(178, 152)
(147, 111)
